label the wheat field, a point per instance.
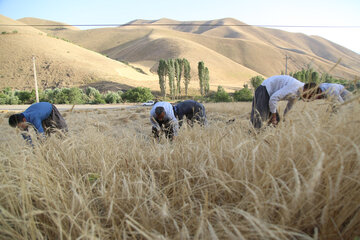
(108, 179)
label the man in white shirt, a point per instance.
(269, 93)
(162, 118)
(332, 91)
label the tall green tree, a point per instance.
(179, 66)
(187, 75)
(206, 81)
(201, 74)
(162, 72)
(171, 76)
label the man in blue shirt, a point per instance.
(43, 116)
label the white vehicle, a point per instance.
(149, 103)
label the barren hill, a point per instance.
(46, 25)
(58, 63)
(261, 50)
(232, 50)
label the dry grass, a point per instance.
(109, 180)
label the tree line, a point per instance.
(172, 71)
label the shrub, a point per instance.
(63, 96)
(2, 98)
(139, 94)
(91, 92)
(12, 100)
(8, 97)
(112, 97)
(74, 95)
(221, 95)
(244, 94)
(256, 81)
(94, 96)
(24, 96)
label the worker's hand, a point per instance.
(273, 119)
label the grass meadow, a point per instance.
(108, 179)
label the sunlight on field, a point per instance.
(110, 180)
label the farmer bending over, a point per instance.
(194, 112)
(43, 116)
(334, 91)
(269, 93)
(162, 118)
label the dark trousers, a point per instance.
(260, 111)
(54, 122)
(166, 128)
(194, 112)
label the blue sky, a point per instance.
(255, 12)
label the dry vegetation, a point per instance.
(109, 180)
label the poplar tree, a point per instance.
(187, 75)
(201, 74)
(178, 73)
(162, 72)
(171, 76)
(206, 81)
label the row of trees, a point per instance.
(310, 75)
(174, 70)
(75, 96)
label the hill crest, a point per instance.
(233, 51)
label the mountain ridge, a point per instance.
(233, 51)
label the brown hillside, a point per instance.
(295, 42)
(232, 51)
(59, 63)
(49, 26)
(261, 49)
(159, 45)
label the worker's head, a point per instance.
(18, 120)
(311, 91)
(159, 113)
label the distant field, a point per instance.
(110, 180)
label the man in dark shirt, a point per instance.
(43, 116)
(193, 110)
